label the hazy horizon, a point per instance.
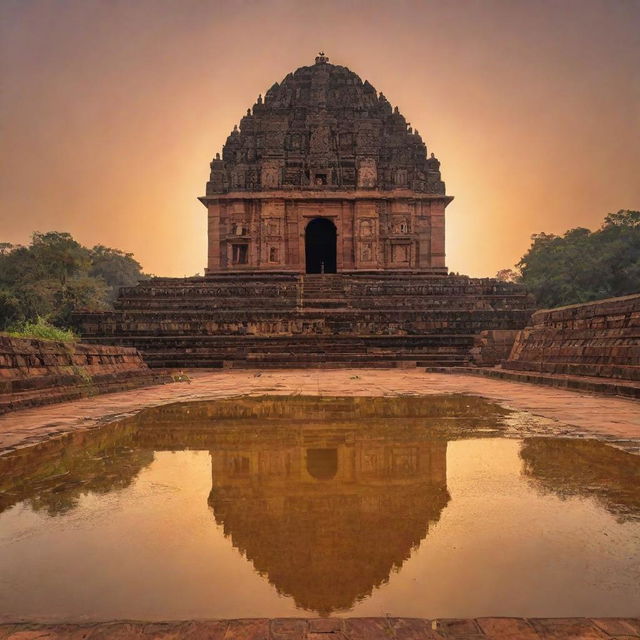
(111, 111)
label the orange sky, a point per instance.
(112, 109)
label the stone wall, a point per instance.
(600, 339)
(492, 346)
(35, 372)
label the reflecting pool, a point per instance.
(298, 506)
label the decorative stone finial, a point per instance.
(260, 99)
(217, 156)
(321, 58)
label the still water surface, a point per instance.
(272, 507)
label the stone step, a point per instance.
(615, 368)
(627, 389)
(178, 360)
(314, 340)
(346, 357)
(328, 364)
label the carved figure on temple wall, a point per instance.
(367, 173)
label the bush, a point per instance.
(42, 330)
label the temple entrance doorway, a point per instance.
(320, 246)
(322, 464)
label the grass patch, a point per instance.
(42, 330)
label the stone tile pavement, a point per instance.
(608, 417)
(338, 629)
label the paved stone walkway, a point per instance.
(606, 417)
(340, 629)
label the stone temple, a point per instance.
(324, 176)
(326, 228)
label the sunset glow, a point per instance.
(112, 111)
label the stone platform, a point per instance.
(339, 629)
(598, 339)
(591, 347)
(286, 320)
(36, 372)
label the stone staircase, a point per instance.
(307, 321)
(335, 352)
(324, 291)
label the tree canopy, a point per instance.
(55, 275)
(583, 265)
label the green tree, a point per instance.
(582, 265)
(55, 276)
(116, 268)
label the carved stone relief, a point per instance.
(400, 253)
(270, 174)
(367, 228)
(366, 252)
(400, 225)
(271, 227)
(319, 142)
(367, 173)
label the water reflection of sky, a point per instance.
(409, 507)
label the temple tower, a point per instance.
(324, 176)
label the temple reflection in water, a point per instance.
(326, 497)
(330, 512)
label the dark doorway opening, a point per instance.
(322, 464)
(320, 246)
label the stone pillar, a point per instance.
(437, 233)
(213, 257)
(348, 230)
(293, 231)
(423, 229)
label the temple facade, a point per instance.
(326, 248)
(324, 176)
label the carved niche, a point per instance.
(270, 174)
(238, 226)
(346, 141)
(273, 254)
(319, 142)
(238, 178)
(366, 228)
(271, 227)
(400, 254)
(366, 139)
(400, 225)
(367, 173)
(400, 178)
(366, 252)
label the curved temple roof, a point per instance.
(323, 127)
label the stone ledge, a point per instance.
(608, 386)
(385, 628)
(37, 372)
